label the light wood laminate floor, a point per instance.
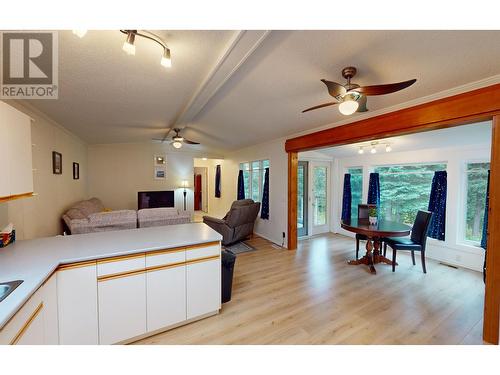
(311, 296)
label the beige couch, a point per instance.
(90, 216)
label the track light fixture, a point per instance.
(129, 44)
(372, 146)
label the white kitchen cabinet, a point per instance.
(166, 289)
(203, 280)
(50, 314)
(77, 304)
(27, 326)
(122, 299)
(15, 152)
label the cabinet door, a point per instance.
(27, 326)
(50, 320)
(203, 287)
(21, 165)
(77, 304)
(4, 152)
(122, 299)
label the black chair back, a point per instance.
(420, 227)
(364, 211)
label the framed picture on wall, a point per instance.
(160, 173)
(160, 160)
(56, 162)
(76, 171)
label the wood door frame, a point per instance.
(477, 105)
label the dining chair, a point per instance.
(363, 213)
(416, 242)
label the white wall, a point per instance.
(117, 172)
(273, 228)
(40, 216)
(452, 250)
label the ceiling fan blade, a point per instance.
(334, 89)
(190, 142)
(384, 89)
(362, 104)
(319, 106)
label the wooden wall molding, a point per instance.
(473, 106)
(477, 105)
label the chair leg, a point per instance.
(423, 261)
(413, 257)
(385, 249)
(357, 248)
(393, 259)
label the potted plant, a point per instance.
(372, 216)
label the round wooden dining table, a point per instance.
(374, 234)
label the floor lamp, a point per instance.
(184, 185)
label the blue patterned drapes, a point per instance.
(374, 189)
(217, 181)
(485, 222)
(346, 198)
(437, 205)
(241, 186)
(264, 211)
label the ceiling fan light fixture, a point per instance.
(129, 46)
(349, 104)
(166, 60)
(80, 33)
(176, 144)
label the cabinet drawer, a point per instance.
(111, 266)
(165, 257)
(202, 250)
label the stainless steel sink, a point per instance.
(8, 287)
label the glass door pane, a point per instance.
(320, 194)
(302, 223)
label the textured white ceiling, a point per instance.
(460, 136)
(107, 96)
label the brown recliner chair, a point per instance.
(238, 222)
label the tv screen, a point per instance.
(155, 199)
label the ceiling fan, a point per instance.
(177, 140)
(352, 97)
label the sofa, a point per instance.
(238, 222)
(154, 217)
(90, 216)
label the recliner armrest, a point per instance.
(213, 220)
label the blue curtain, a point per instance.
(264, 211)
(374, 189)
(217, 181)
(346, 198)
(437, 205)
(485, 222)
(241, 186)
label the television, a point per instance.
(155, 199)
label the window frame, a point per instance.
(260, 170)
(464, 185)
(347, 168)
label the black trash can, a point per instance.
(228, 259)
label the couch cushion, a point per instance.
(152, 213)
(90, 206)
(75, 213)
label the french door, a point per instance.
(302, 199)
(319, 192)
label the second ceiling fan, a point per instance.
(352, 97)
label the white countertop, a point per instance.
(33, 261)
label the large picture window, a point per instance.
(476, 181)
(253, 178)
(405, 189)
(356, 189)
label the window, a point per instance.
(356, 189)
(253, 178)
(476, 184)
(405, 189)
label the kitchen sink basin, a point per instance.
(8, 287)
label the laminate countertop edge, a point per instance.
(34, 261)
